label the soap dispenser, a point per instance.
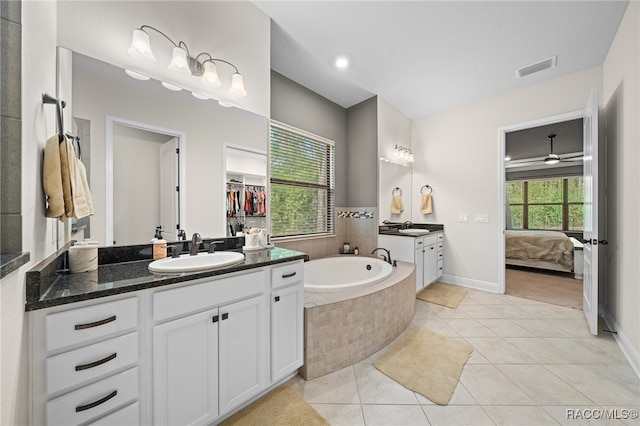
(159, 245)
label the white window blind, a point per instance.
(302, 182)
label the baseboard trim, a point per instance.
(629, 351)
(469, 283)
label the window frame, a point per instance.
(329, 186)
(565, 203)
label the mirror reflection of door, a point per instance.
(145, 179)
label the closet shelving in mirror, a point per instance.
(246, 202)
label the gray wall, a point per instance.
(11, 136)
(299, 107)
(362, 154)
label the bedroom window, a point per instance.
(547, 204)
(302, 182)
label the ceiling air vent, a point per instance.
(538, 66)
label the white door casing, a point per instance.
(169, 193)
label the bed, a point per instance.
(541, 249)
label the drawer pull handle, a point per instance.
(96, 363)
(95, 324)
(96, 403)
(293, 274)
(225, 316)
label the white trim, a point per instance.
(110, 121)
(627, 348)
(502, 179)
(469, 283)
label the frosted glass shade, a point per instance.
(179, 61)
(237, 86)
(140, 47)
(210, 75)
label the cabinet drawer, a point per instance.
(85, 324)
(197, 297)
(425, 241)
(287, 274)
(94, 400)
(90, 362)
(129, 416)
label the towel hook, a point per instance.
(426, 187)
(399, 191)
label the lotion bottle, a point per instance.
(159, 245)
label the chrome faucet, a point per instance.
(407, 224)
(386, 258)
(196, 240)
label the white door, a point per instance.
(242, 351)
(590, 147)
(185, 370)
(169, 195)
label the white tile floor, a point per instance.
(533, 364)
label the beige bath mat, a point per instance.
(280, 407)
(443, 294)
(426, 362)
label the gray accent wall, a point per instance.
(299, 107)
(11, 127)
(362, 154)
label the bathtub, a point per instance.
(344, 273)
(351, 311)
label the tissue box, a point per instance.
(83, 257)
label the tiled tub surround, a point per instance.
(356, 225)
(125, 269)
(344, 327)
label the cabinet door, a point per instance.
(430, 264)
(419, 261)
(185, 370)
(286, 331)
(243, 354)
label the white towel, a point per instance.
(82, 201)
(396, 204)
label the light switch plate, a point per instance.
(463, 217)
(482, 218)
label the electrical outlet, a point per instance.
(482, 218)
(463, 217)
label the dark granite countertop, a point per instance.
(47, 286)
(393, 228)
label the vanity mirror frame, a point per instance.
(110, 122)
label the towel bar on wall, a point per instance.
(426, 187)
(60, 104)
(396, 191)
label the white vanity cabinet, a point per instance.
(426, 252)
(85, 362)
(287, 328)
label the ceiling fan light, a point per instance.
(210, 75)
(179, 61)
(141, 47)
(237, 86)
(552, 159)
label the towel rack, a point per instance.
(426, 187)
(396, 191)
(60, 104)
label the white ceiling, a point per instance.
(428, 56)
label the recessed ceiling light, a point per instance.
(342, 62)
(171, 86)
(137, 75)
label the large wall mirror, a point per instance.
(128, 128)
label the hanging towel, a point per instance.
(396, 204)
(425, 204)
(52, 178)
(67, 170)
(82, 202)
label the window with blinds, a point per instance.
(302, 182)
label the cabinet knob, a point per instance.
(277, 298)
(225, 316)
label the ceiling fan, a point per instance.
(551, 158)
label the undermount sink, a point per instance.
(414, 231)
(201, 262)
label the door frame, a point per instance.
(110, 122)
(502, 132)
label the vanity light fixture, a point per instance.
(203, 65)
(403, 153)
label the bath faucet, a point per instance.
(386, 258)
(212, 246)
(196, 240)
(407, 224)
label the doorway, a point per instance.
(525, 174)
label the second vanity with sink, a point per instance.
(122, 345)
(422, 244)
